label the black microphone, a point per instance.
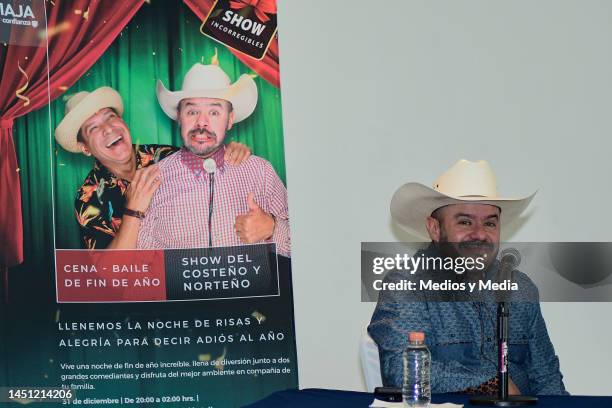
(510, 258)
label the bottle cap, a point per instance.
(416, 336)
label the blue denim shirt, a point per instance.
(462, 339)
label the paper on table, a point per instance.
(384, 404)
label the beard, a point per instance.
(196, 148)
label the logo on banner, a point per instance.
(18, 14)
(22, 22)
(247, 26)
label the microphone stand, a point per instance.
(503, 399)
(210, 167)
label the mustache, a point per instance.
(476, 245)
(201, 131)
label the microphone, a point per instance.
(210, 167)
(510, 258)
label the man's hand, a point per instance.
(145, 183)
(256, 225)
(512, 388)
(236, 153)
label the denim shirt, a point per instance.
(461, 337)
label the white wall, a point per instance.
(378, 93)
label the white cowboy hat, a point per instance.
(80, 107)
(464, 182)
(210, 81)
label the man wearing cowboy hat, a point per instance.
(462, 215)
(201, 201)
(118, 189)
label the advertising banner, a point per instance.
(147, 253)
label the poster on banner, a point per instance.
(156, 243)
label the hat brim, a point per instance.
(67, 130)
(412, 203)
(242, 94)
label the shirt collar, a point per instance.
(196, 163)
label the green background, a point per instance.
(162, 42)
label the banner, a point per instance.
(156, 243)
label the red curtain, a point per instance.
(79, 31)
(267, 68)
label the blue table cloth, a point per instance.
(350, 399)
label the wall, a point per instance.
(376, 94)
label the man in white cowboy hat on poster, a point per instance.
(117, 191)
(202, 201)
(461, 214)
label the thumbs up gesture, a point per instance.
(256, 225)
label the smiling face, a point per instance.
(203, 123)
(466, 230)
(105, 136)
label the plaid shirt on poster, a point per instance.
(178, 214)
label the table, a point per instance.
(350, 399)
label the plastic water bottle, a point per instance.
(416, 391)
